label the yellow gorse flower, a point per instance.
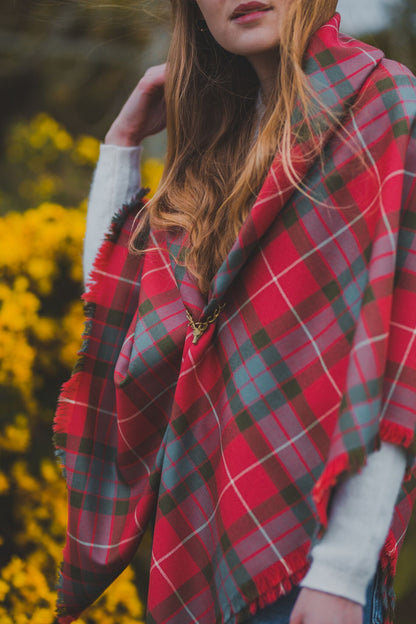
(152, 171)
(86, 150)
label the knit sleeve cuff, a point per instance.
(345, 559)
(336, 580)
(120, 168)
(116, 180)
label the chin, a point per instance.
(254, 49)
(254, 41)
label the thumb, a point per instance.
(297, 614)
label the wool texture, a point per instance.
(234, 444)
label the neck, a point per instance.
(265, 64)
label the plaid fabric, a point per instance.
(235, 443)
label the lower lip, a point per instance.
(250, 17)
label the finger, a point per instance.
(154, 76)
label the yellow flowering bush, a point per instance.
(26, 587)
(45, 164)
(39, 260)
(41, 322)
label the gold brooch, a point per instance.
(200, 327)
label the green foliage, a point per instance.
(76, 59)
(398, 40)
(406, 578)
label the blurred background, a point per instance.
(66, 67)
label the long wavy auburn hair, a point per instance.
(218, 154)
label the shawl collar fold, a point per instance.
(337, 68)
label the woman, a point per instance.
(248, 372)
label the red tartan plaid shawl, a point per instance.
(235, 443)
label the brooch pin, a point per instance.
(200, 327)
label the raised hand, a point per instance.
(144, 113)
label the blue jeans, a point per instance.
(279, 612)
